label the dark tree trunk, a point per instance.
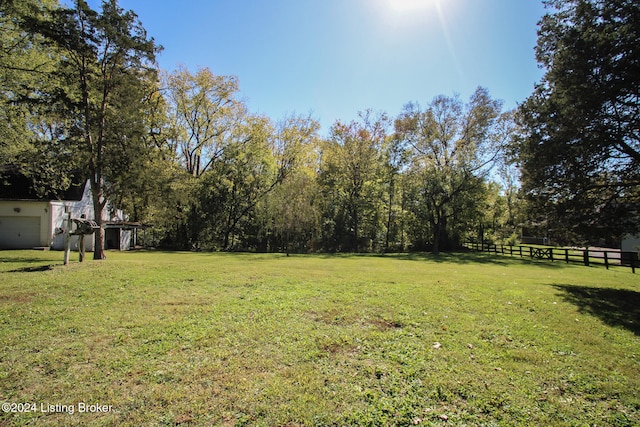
(98, 207)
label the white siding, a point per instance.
(19, 232)
(125, 240)
(24, 224)
(77, 209)
(29, 223)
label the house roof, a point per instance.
(14, 185)
(125, 225)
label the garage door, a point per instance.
(19, 232)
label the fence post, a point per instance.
(606, 259)
(566, 255)
(551, 254)
(530, 251)
(520, 251)
(67, 236)
(585, 255)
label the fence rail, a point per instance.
(586, 256)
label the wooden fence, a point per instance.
(587, 256)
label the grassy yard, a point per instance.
(171, 339)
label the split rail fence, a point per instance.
(586, 256)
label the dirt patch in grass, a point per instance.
(384, 324)
(18, 298)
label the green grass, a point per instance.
(319, 340)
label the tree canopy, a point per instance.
(82, 95)
(580, 150)
(453, 146)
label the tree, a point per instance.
(350, 179)
(580, 151)
(257, 161)
(394, 160)
(453, 147)
(32, 120)
(107, 58)
(204, 112)
(499, 211)
(293, 203)
(295, 212)
(144, 188)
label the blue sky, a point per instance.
(333, 58)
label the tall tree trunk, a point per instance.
(389, 216)
(230, 221)
(355, 216)
(437, 231)
(437, 227)
(98, 208)
(288, 238)
(98, 251)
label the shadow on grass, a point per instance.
(26, 260)
(33, 264)
(32, 269)
(448, 257)
(615, 307)
(455, 257)
(461, 257)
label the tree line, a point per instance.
(82, 96)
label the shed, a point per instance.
(28, 221)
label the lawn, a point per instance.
(157, 338)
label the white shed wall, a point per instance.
(11, 213)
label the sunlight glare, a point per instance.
(407, 6)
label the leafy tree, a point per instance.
(32, 120)
(580, 152)
(499, 211)
(293, 203)
(350, 180)
(394, 156)
(207, 128)
(144, 188)
(204, 112)
(107, 60)
(453, 147)
(235, 190)
(295, 212)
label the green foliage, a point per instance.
(580, 152)
(203, 112)
(499, 216)
(34, 125)
(186, 155)
(453, 146)
(261, 339)
(350, 179)
(236, 184)
(99, 71)
(272, 187)
(292, 206)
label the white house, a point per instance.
(27, 222)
